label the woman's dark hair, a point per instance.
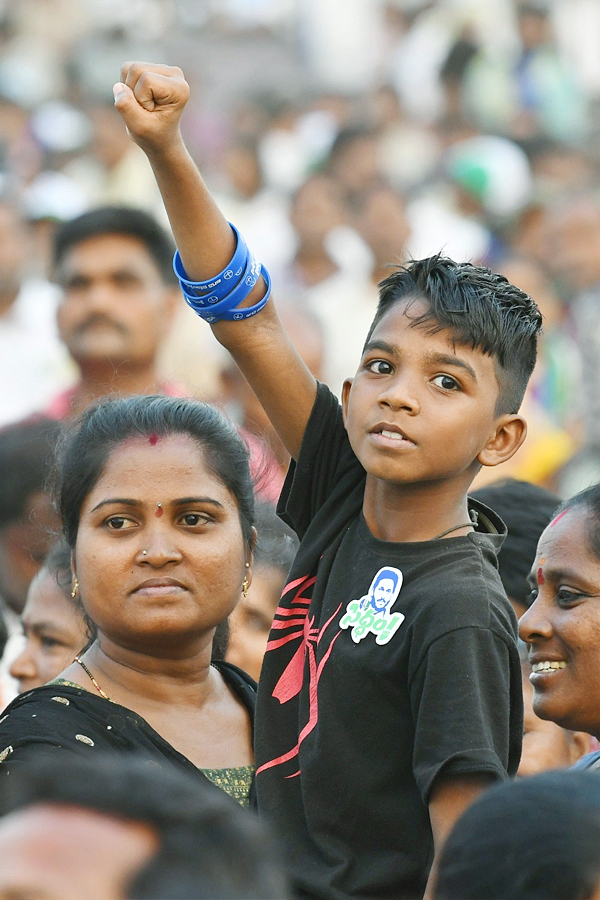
(58, 565)
(533, 839)
(105, 426)
(526, 510)
(588, 500)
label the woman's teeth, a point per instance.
(547, 666)
(394, 435)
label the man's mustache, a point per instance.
(99, 319)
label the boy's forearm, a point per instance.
(450, 797)
(151, 99)
(203, 236)
(204, 239)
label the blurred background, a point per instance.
(340, 136)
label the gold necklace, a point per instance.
(92, 679)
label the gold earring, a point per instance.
(75, 590)
(245, 586)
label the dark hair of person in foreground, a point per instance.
(533, 839)
(207, 846)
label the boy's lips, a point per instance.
(389, 435)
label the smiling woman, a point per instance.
(562, 626)
(157, 588)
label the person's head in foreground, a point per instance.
(114, 828)
(534, 839)
(562, 626)
(526, 509)
(53, 623)
(450, 350)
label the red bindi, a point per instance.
(540, 576)
(159, 510)
(153, 439)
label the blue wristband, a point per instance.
(236, 315)
(235, 296)
(221, 284)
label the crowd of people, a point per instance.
(378, 500)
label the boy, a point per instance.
(376, 727)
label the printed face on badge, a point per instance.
(384, 594)
(371, 614)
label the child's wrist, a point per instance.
(167, 150)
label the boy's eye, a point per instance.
(446, 382)
(380, 367)
(119, 523)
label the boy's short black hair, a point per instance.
(482, 309)
(526, 509)
(118, 220)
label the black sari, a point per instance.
(61, 716)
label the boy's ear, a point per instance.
(509, 433)
(346, 387)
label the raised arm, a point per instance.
(151, 99)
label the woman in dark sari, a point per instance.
(157, 508)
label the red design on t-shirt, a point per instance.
(291, 681)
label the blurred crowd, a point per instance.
(341, 138)
(454, 126)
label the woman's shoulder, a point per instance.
(240, 683)
(45, 697)
(61, 714)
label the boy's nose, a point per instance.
(400, 394)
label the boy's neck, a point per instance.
(414, 512)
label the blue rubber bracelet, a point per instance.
(221, 283)
(235, 296)
(237, 315)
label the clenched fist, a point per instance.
(151, 99)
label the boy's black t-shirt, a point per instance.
(388, 664)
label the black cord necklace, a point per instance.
(450, 530)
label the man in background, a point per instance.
(119, 295)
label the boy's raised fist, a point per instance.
(151, 99)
